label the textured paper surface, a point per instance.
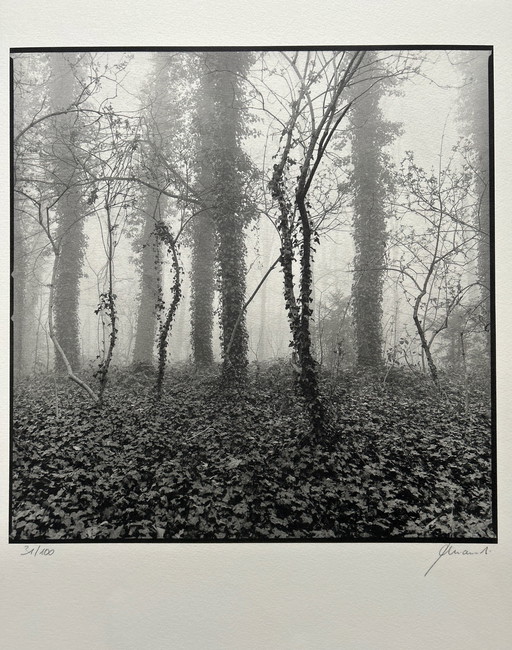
(318, 596)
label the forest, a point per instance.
(252, 295)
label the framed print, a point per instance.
(256, 371)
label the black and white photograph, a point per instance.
(257, 325)
(253, 295)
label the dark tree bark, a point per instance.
(308, 379)
(166, 237)
(425, 346)
(298, 235)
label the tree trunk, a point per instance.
(370, 236)
(223, 160)
(474, 113)
(150, 282)
(424, 344)
(481, 137)
(70, 210)
(202, 287)
(308, 379)
(299, 312)
(164, 234)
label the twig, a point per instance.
(247, 303)
(211, 428)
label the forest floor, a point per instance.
(407, 460)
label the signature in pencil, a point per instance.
(447, 550)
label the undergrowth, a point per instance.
(407, 460)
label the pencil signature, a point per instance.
(447, 550)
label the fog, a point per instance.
(425, 104)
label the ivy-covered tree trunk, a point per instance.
(297, 236)
(70, 210)
(221, 136)
(475, 112)
(308, 379)
(299, 310)
(368, 139)
(150, 282)
(163, 128)
(204, 235)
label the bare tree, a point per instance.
(438, 244)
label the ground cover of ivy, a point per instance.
(407, 461)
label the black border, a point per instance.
(492, 214)
(492, 222)
(246, 48)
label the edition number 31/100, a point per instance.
(33, 550)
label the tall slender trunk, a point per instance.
(202, 288)
(481, 136)
(474, 113)
(150, 278)
(426, 349)
(308, 379)
(165, 235)
(59, 350)
(370, 236)
(204, 237)
(70, 210)
(299, 311)
(162, 129)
